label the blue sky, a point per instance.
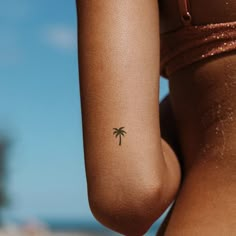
(40, 109)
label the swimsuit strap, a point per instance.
(184, 9)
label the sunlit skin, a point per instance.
(182, 150)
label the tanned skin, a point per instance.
(134, 175)
(129, 185)
(203, 105)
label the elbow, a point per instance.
(129, 213)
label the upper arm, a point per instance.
(119, 80)
(119, 87)
(119, 65)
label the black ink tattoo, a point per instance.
(119, 132)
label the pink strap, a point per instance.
(184, 7)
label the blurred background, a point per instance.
(42, 174)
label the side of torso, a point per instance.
(203, 98)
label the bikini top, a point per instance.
(191, 43)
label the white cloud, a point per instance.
(60, 36)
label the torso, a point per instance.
(203, 98)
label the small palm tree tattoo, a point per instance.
(119, 132)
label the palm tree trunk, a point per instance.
(120, 139)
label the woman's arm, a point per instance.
(131, 181)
